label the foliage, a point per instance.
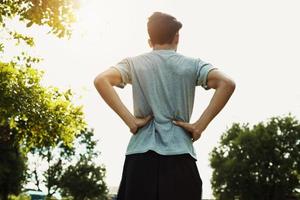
(84, 180)
(262, 162)
(31, 115)
(20, 197)
(38, 115)
(12, 166)
(21, 38)
(83, 147)
(57, 14)
(59, 157)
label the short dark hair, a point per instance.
(162, 28)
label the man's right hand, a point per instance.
(191, 128)
(139, 123)
(224, 88)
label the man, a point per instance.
(160, 162)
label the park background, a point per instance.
(255, 42)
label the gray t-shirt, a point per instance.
(163, 85)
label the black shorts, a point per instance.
(151, 176)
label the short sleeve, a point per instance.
(124, 68)
(202, 70)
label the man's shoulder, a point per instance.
(152, 53)
(138, 56)
(187, 57)
(174, 56)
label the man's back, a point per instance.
(160, 157)
(163, 85)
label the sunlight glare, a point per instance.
(89, 18)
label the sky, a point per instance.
(255, 42)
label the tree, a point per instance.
(262, 162)
(84, 180)
(32, 115)
(12, 166)
(59, 159)
(54, 159)
(38, 116)
(57, 14)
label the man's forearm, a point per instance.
(218, 101)
(111, 97)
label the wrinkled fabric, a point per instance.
(163, 85)
(150, 176)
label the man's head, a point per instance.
(163, 29)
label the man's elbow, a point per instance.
(230, 85)
(98, 80)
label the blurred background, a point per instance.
(55, 126)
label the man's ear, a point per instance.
(176, 38)
(150, 43)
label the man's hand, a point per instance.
(139, 123)
(191, 128)
(104, 83)
(224, 88)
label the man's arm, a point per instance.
(104, 83)
(224, 87)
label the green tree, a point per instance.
(57, 14)
(12, 166)
(39, 116)
(60, 157)
(261, 163)
(32, 115)
(84, 180)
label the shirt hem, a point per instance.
(162, 153)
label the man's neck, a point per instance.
(165, 47)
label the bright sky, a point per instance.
(255, 42)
